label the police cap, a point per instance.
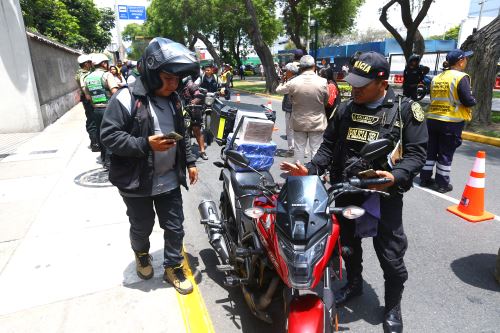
(368, 67)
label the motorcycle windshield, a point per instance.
(301, 208)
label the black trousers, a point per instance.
(141, 214)
(90, 122)
(390, 245)
(98, 115)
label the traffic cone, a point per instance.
(238, 99)
(471, 207)
(270, 105)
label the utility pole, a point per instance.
(118, 32)
(480, 13)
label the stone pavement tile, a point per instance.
(147, 306)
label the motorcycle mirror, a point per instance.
(237, 158)
(219, 164)
(376, 149)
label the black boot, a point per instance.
(353, 288)
(393, 320)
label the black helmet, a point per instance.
(165, 55)
(414, 57)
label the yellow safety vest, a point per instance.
(445, 103)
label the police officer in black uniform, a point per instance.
(373, 113)
(413, 74)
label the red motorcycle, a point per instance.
(294, 236)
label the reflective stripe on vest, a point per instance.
(445, 103)
(97, 90)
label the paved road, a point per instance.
(450, 262)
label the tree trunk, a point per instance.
(262, 49)
(210, 47)
(414, 41)
(297, 19)
(192, 42)
(482, 68)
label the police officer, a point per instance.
(100, 85)
(451, 102)
(413, 74)
(209, 79)
(85, 63)
(373, 113)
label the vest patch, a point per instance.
(365, 119)
(361, 135)
(417, 111)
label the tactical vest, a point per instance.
(211, 86)
(445, 103)
(98, 92)
(358, 126)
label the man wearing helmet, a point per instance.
(148, 165)
(85, 63)
(412, 75)
(100, 85)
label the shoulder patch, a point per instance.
(417, 111)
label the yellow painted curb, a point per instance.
(259, 94)
(481, 138)
(194, 312)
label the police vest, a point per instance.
(360, 125)
(98, 92)
(211, 86)
(445, 103)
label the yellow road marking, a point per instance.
(193, 309)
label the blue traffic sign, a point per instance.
(137, 13)
(122, 12)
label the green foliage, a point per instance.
(335, 17)
(450, 34)
(78, 24)
(138, 35)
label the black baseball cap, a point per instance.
(368, 67)
(456, 55)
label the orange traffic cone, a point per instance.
(270, 105)
(238, 99)
(471, 207)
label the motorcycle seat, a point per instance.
(246, 196)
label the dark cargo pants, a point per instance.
(390, 246)
(141, 213)
(90, 122)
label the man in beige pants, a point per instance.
(309, 95)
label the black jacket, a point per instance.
(127, 139)
(415, 139)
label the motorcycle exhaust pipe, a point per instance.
(210, 217)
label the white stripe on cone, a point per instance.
(476, 182)
(270, 105)
(479, 165)
(238, 99)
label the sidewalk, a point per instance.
(65, 258)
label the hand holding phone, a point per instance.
(173, 135)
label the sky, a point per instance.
(442, 15)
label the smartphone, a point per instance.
(173, 135)
(370, 173)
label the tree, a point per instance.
(136, 34)
(414, 42)
(295, 17)
(78, 24)
(261, 48)
(450, 34)
(482, 67)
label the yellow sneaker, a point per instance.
(143, 265)
(176, 277)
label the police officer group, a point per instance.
(149, 168)
(375, 112)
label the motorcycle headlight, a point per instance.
(209, 100)
(300, 261)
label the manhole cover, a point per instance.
(93, 178)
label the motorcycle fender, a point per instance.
(306, 314)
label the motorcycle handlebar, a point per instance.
(368, 182)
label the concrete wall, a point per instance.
(19, 108)
(55, 66)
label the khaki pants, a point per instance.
(300, 142)
(289, 130)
